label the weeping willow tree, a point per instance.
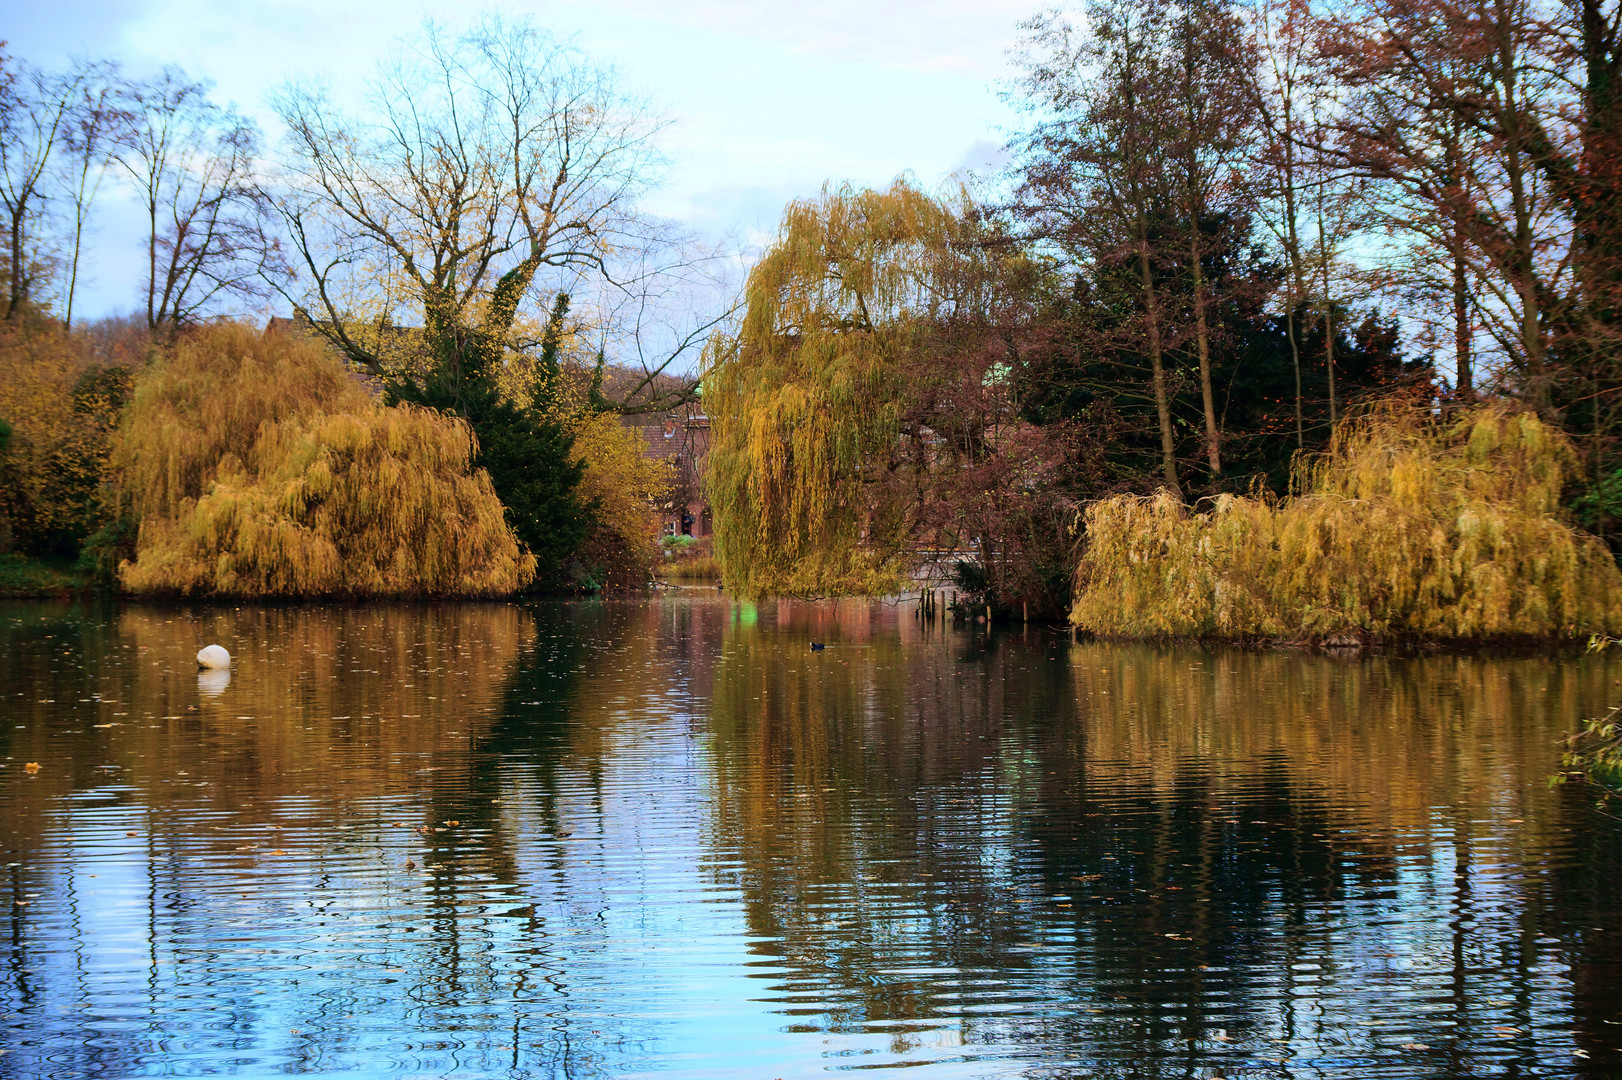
(806, 470)
(1404, 529)
(261, 467)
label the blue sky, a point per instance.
(768, 101)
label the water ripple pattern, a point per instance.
(667, 838)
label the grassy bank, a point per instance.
(688, 558)
(25, 577)
(704, 568)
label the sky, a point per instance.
(767, 101)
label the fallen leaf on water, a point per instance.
(278, 851)
(32, 766)
(1415, 1046)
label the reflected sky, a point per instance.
(593, 839)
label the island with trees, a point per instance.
(1283, 322)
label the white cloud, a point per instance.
(965, 37)
(769, 100)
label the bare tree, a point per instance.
(35, 107)
(192, 164)
(491, 171)
(1283, 34)
(94, 125)
(1213, 130)
(1458, 105)
(1098, 175)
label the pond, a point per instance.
(667, 837)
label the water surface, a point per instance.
(668, 838)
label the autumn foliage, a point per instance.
(60, 396)
(623, 486)
(261, 467)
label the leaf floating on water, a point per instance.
(1415, 1046)
(32, 766)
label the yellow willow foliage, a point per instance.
(803, 404)
(626, 486)
(58, 451)
(1402, 530)
(260, 467)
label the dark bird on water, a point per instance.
(817, 646)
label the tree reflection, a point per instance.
(430, 839)
(1169, 860)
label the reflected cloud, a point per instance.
(598, 839)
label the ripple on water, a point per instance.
(609, 840)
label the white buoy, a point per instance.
(212, 656)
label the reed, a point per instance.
(706, 568)
(1406, 528)
(261, 467)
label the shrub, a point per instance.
(262, 467)
(60, 408)
(622, 485)
(1404, 529)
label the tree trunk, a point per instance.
(1329, 357)
(1295, 361)
(1202, 338)
(1464, 375)
(1168, 446)
(18, 269)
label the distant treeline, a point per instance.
(1226, 230)
(235, 463)
(1230, 227)
(478, 297)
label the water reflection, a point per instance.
(602, 840)
(212, 682)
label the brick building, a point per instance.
(681, 437)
